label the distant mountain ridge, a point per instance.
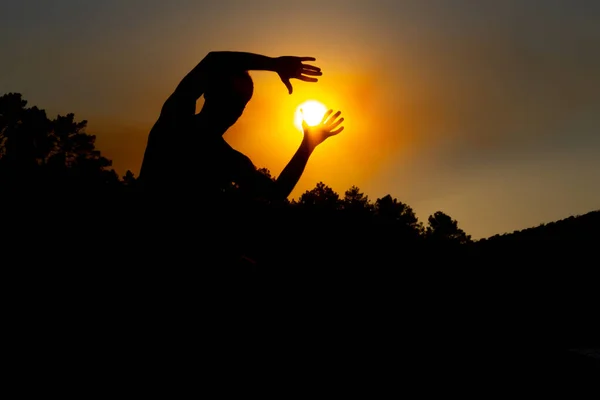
(575, 228)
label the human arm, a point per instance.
(259, 185)
(287, 67)
(313, 136)
(194, 84)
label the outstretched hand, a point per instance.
(288, 67)
(315, 135)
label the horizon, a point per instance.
(489, 113)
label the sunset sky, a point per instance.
(486, 110)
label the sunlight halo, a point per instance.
(313, 112)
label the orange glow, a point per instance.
(269, 136)
(312, 111)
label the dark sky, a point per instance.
(486, 110)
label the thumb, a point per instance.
(288, 85)
(304, 123)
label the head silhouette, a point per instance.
(225, 99)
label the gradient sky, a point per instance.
(486, 110)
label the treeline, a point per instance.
(43, 156)
(574, 228)
(78, 224)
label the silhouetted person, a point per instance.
(186, 152)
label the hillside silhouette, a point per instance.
(72, 225)
(574, 228)
(56, 157)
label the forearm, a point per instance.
(240, 61)
(291, 174)
(193, 84)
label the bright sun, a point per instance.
(313, 112)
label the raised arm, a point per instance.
(261, 186)
(194, 83)
(313, 136)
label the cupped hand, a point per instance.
(288, 67)
(315, 135)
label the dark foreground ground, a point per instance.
(122, 293)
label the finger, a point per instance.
(288, 85)
(333, 117)
(307, 59)
(327, 114)
(311, 72)
(336, 124)
(333, 133)
(304, 123)
(311, 67)
(307, 79)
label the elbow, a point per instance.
(213, 57)
(213, 61)
(209, 60)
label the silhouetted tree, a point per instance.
(38, 152)
(398, 216)
(442, 227)
(356, 204)
(267, 173)
(26, 138)
(129, 178)
(322, 197)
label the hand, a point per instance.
(315, 135)
(288, 67)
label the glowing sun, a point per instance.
(312, 111)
